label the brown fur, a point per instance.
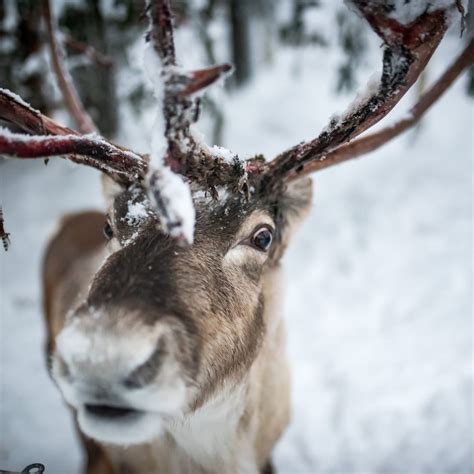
(223, 327)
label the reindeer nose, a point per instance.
(102, 361)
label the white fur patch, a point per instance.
(95, 355)
(210, 436)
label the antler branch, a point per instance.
(407, 49)
(180, 108)
(88, 51)
(49, 138)
(372, 142)
(65, 83)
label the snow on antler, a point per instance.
(169, 194)
(46, 138)
(175, 151)
(407, 50)
(410, 31)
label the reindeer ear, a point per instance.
(297, 198)
(110, 189)
(293, 206)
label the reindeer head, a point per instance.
(164, 326)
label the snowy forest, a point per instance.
(377, 281)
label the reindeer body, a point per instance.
(237, 396)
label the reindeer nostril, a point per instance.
(106, 411)
(145, 373)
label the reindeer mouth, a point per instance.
(110, 412)
(117, 424)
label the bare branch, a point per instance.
(87, 50)
(4, 236)
(376, 140)
(407, 51)
(161, 30)
(70, 95)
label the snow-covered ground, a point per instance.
(378, 285)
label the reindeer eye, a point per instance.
(108, 231)
(262, 239)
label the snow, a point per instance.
(363, 96)
(174, 192)
(154, 73)
(378, 284)
(224, 153)
(24, 137)
(406, 12)
(18, 99)
(136, 210)
(137, 213)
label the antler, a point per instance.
(178, 158)
(47, 138)
(407, 49)
(372, 142)
(182, 153)
(176, 89)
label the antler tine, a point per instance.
(185, 154)
(161, 31)
(407, 49)
(372, 142)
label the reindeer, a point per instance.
(171, 353)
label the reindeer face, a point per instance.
(164, 327)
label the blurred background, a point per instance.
(378, 282)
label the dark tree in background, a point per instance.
(295, 32)
(240, 39)
(21, 67)
(351, 38)
(96, 84)
(470, 28)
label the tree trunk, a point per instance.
(240, 40)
